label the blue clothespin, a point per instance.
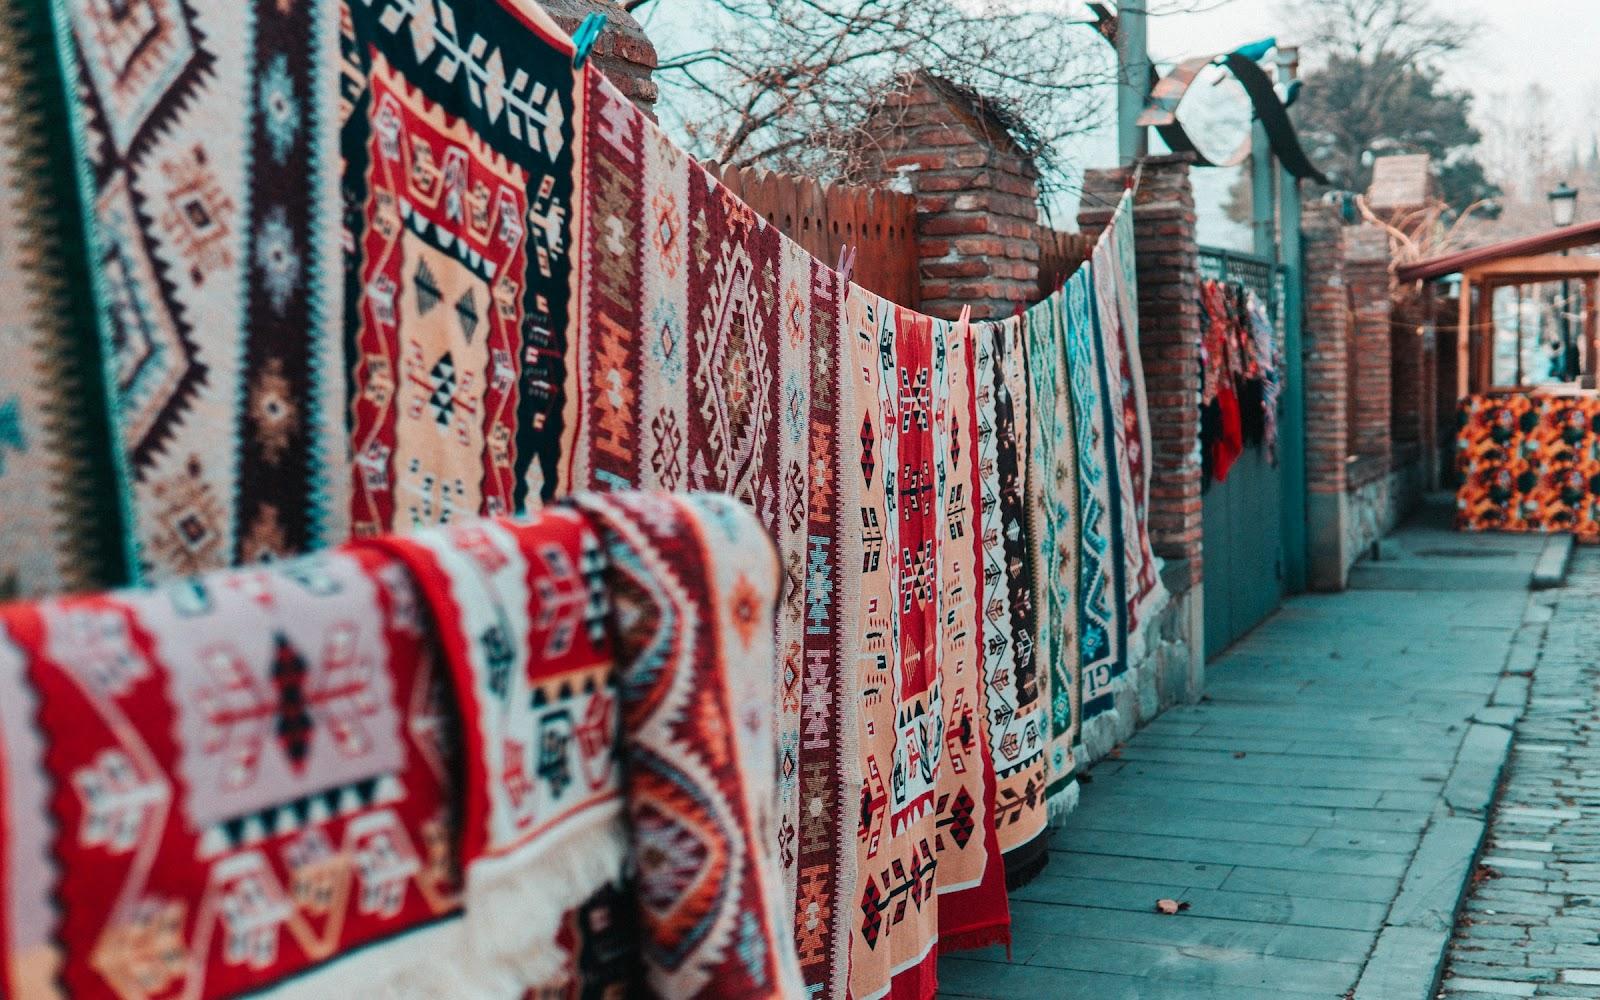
(588, 33)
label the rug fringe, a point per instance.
(513, 907)
(978, 937)
(1062, 803)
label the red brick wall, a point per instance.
(1408, 339)
(1367, 274)
(1169, 340)
(977, 202)
(1415, 381)
(622, 51)
(1326, 347)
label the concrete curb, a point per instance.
(1408, 959)
(1551, 569)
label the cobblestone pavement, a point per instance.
(1531, 926)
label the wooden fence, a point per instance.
(881, 224)
(1059, 255)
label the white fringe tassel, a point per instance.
(1062, 803)
(513, 910)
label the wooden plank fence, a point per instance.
(882, 224)
(1059, 255)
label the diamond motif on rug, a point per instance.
(442, 392)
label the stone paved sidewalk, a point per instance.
(1531, 928)
(1319, 812)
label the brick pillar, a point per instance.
(1326, 346)
(1414, 384)
(1408, 368)
(977, 197)
(623, 51)
(1168, 257)
(1367, 274)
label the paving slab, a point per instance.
(1320, 811)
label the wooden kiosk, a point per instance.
(1527, 442)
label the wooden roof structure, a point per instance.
(1528, 260)
(1552, 242)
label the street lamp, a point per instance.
(1563, 210)
(1563, 205)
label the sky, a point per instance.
(1555, 42)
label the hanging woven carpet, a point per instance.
(1016, 692)
(207, 160)
(458, 175)
(1054, 533)
(561, 629)
(1102, 609)
(1115, 285)
(694, 583)
(240, 780)
(973, 909)
(61, 527)
(707, 354)
(522, 620)
(689, 305)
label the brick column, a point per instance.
(1326, 350)
(1169, 340)
(1414, 383)
(1367, 274)
(1408, 338)
(977, 196)
(623, 51)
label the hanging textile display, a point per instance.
(688, 306)
(707, 353)
(63, 528)
(1529, 462)
(645, 615)
(1267, 368)
(458, 150)
(892, 388)
(1115, 283)
(971, 883)
(273, 783)
(521, 612)
(207, 164)
(1221, 426)
(695, 582)
(1055, 443)
(1016, 690)
(225, 784)
(793, 738)
(1241, 373)
(1102, 605)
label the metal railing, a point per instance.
(1259, 274)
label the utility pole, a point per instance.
(1133, 80)
(1292, 452)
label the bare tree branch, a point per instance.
(789, 84)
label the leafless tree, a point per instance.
(1389, 32)
(788, 84)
